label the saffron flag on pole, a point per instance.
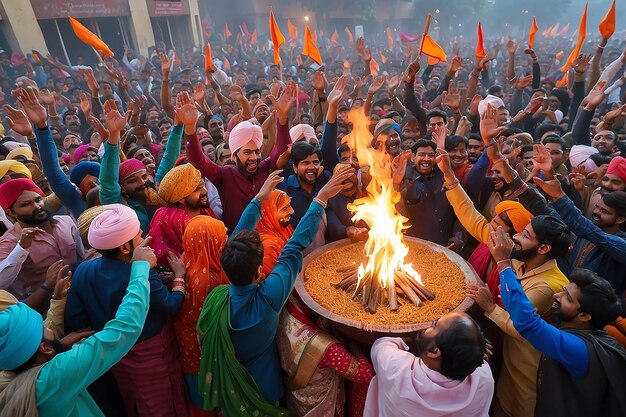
(350, 37)
(208, 59)
(277, 37)
(480, 46)
(310, 49)
(389, 38)
(533, 31)
(563, 81)
(607, 25)
(90, 38)
(293, 31)
(334, 37)
(254, 38)
(582, 33)
(563, 32)
(227, 32)
(433, 50)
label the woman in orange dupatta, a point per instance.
(203, 241)
(274, 228)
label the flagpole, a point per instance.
(426, 27)
(56, 24)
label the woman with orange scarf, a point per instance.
(203, 241)
(274, 228)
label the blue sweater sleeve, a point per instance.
(250, 217)
(59, 183)
(171, 154)
(329, 146)
(161, 298)
(110, 191)
(564, 347)
(476, 176)
(580, 127)
(612, 245)
(278, 285)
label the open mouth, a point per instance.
(251, 166)
(595, 218)
(310, 174)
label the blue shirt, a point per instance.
(300, 198)
(255, 308)
(567, 349)
(98, 286)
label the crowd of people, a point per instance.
(155, 217)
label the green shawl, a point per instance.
(223, 382)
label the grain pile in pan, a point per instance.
(442, 276)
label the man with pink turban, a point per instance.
(613, 180)
(149, 376)
(36, 240)
(238, 184)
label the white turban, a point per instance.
(243, 133)
(490, 99)
(580, 153)
(302, 131)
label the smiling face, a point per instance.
(458, 155)
(248, 158)
(565, 305)
(145, 157)
(135, 186)
(604, 216)
(199, 199)
(424, 160)
(285, 211)
(612, 182)
(307, 169)
(604, 142)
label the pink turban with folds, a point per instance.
(302, 131)
(11, 190)
(78, 153)
(243, 133)
(129, 167)
(113, 227)
(618, 167)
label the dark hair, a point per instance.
(344, 147)
(546, 127)
(421, 143)
(474, 136)
(526, 148)
(454, 141)
(555, 139)
(437, 113)
(253, 91)
(69, 113)
(242, 256)
(563, 97)
(462, 348)
(597, 298)
(616, 200)
(4, 150)
(164, 121)
(131, 153)
(512, 131)
(494, 89)
(551, 230)
(302, 150)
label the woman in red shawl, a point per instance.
(203, 241)
(274, 228)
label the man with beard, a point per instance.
(534, 256)
(443, 373)
(40, 361)
(387, 133)
(583, 370)
(340, 224)
(424, 201)
(613, 180)
(215, 126)
(475, 148)
(126, 182)
(71, 121)
(183, 189)
(456, 146)
(38, 238)
(237, 183)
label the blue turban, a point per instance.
(21, 332)
(80, 171)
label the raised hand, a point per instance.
(335, 185)
(611, 116)
(392, 85)
(28, 235)
(376, 85)
(186, 112)
(473, 108)
(511, 47)
(530, 52)
(597, 95)
(452, 97)
(85, 104)
(408, 52)
(165, 65)
(581, 63)
(439, 136)
(199, 93)
(18, 122)
(489, 124)
(464, 127)
(398, 166)
(62, 286)
(365, 53)
(176, 265)
(27, 97)
(55, 271)
(444, 164)
(412, 70)
(523, 82)
(318, 82)
(455, 64)
(285, 102)
(551, 187)
(337, 93)
(143, 252)
(500, 245)
(269, 185)
(99, 127)
(236, 93)
(115, 122)
(46, 97)
(542, 162)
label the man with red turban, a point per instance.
(36, 240)
(613, 180)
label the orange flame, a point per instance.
(384, 249)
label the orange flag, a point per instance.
(383, 58)
(310, 49)
(346, 64)
(293, 31)
(226, 64)
(582, 33)
(607, 25)
(299, 60)
(554, 31)
(432, 61)
(350, 37)
(374, 67)
(334, 37)
(389, 38)
(432, 49)
(254, 38)
(208, 59)
(480, 47)
(563, 32)
(532, 33)
(227, 33)
(277, 37)
(562, 82)
(559, 55)
(314, 36)
(545, 32)
(90, 38)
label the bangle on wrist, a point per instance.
(46, 288)
(179, 279)
(452, 184)
(320, 202)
